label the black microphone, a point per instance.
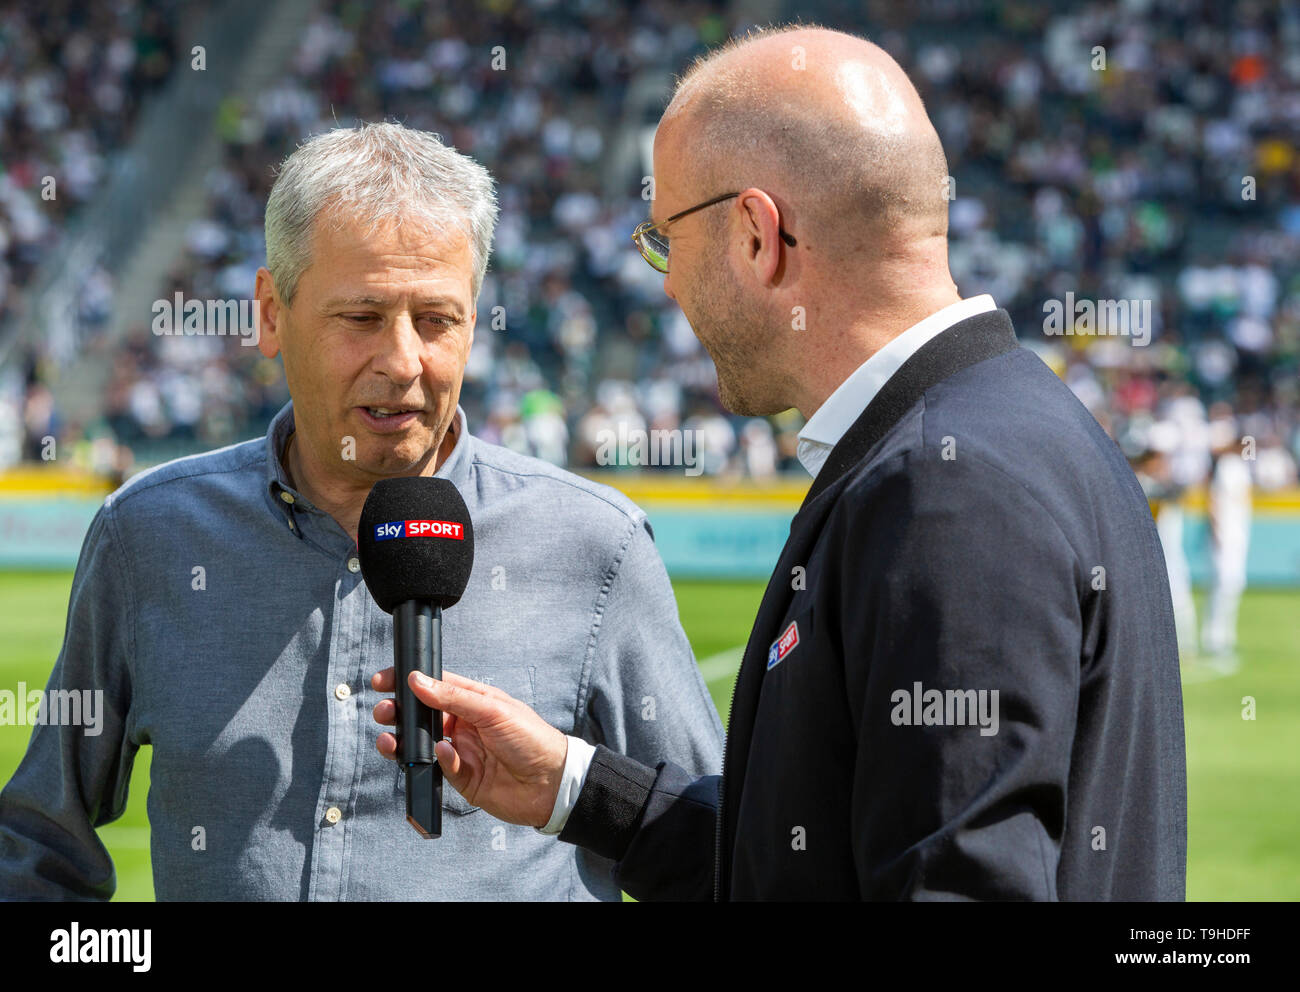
(416, 545)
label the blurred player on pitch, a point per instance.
(1229, 515)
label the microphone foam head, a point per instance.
(416, 541)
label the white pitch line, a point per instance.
(136, 838)
(722, 665)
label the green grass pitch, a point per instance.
(1243, 775)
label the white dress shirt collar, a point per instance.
(845, 405)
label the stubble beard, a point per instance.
(732, 330)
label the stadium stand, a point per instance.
(1168, 172)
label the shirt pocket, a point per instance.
(454, 802)
(518, 681)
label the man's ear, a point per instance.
(268, 314)
(760, 225)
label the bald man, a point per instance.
(962, 682)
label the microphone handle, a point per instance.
(417, 647)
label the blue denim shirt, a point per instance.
(227, 623)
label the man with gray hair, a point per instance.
(219, 604)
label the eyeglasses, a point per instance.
(653, 245)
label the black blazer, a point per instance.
(963, 679)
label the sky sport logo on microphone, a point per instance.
(420, 528)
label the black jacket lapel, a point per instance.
(967, 342)
(753, 666)
(964, 344)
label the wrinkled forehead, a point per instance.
(342, 226)
(351, 252)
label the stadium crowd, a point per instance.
(1117, 151)
(73, 78)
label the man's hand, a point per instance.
(503, 756)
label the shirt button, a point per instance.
(333, 815)
(342, 690)
(287, 497)
(354, 565)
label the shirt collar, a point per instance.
(285, 499)
(854, 394)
